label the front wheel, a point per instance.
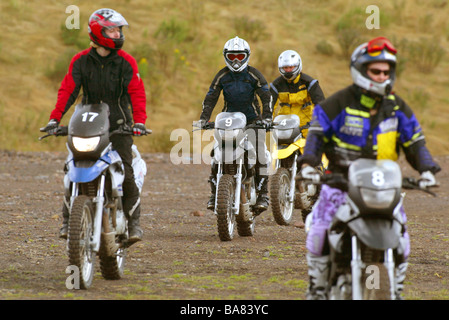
(80, 232)
(225, 202)
(280, 188)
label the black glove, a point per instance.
(266, 123)
(51, 127)
(139, 129)
(203, 124)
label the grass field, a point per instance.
(178, 46)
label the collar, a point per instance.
(296, 80)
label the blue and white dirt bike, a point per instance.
(93, 183)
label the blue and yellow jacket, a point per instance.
(343, 128)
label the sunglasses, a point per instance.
(379, 44)
(238, 56)
(378, 71)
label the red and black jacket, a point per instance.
(113, 79)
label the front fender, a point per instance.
(287, 152)
(87, 174)
(379, 234)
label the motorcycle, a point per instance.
(235, 157)
(365, 235)
(285, 193)
(93, 183)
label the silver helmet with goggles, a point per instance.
(290, 58)
(377, 50)
(236, 53)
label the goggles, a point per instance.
(380, 43)
(376, 72)
(239, 56)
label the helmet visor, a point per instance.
(379, 44)
(236, 55)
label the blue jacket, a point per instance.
(239, 92)
(343, 129)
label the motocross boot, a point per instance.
(318, 269)
(399, 279)
(213, 189)
(263, 201)
(135, 232)
(63, 232)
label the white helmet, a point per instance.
(377, 50)
(236, 52)
(290, 58)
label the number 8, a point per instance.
(377, 178)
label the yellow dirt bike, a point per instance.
(285, 192)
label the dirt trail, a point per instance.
(181, 256)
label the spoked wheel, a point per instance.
(279, 190)
(80, 232)
(225, 201)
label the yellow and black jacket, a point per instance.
(297, 96)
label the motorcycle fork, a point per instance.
(356, 269)
(293, 169)
(99, 202)
(389, 264)
(238, 188)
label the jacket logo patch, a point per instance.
(353, 126)
(388, 125)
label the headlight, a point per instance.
(85, 144)
(284, 134)
(229, 135)
(378, 199)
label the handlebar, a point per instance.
(211, 125)
(340, 180)
(61, 131)
(64, 131)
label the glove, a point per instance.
(201, 124)
(51, 127)
(266, 123)
(427, 180)
(139, 129)
(310, 173)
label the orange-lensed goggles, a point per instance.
(380, 43)
(238, 56)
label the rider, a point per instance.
(295, 92)
(364, 120)
(107, 74)
(240, 83)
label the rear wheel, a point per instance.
(279, 190)
(80, 232)
(225, 201)
(245, 228)
(112, 267)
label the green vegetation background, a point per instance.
(178, 46)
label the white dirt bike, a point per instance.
(366, 233)
(235, 157)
